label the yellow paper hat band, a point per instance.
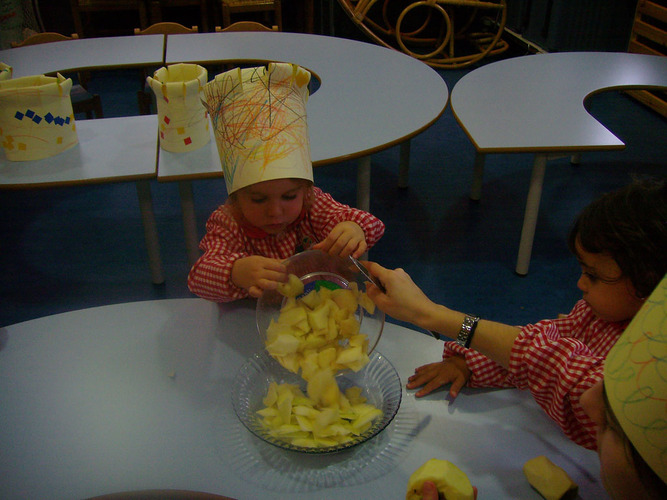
(260, 123)
(36, 117)
(182, 118)
(635, 379)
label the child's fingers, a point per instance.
(456, 387)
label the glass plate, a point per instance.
(379, 381)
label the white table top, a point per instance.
(109, 150)
(536, 103)
(137, 396)
(88, 53)
(370, 98)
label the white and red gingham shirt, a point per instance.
(226, 241)
(556, 360)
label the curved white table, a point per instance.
(536, 104)
(137, 396)
(370, 98)
(85, 53)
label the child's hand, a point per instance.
(347, 238)
(257, 273)
(435, 375)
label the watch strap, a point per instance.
(467, 330)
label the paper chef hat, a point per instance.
(36, 118)
(183, 122)
(635, 379)
(260, 125)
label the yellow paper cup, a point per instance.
(182, 118)
(36, 118)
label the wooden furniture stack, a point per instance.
(649, 37)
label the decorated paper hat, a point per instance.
(182, 118)
(260, 125)
(36, 117)
(635, 379)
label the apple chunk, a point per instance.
(292, 288)
(452, 482)
(322, 320)
(549, 480)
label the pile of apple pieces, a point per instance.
(318, 335)
(325, 417)
(319, 330)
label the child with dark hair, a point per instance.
(620, 241)
(628, 408)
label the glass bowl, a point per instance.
(314, 267)
(378, 380)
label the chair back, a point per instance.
(46, 37)
(82, 100)
(246, 26)
(166, 28)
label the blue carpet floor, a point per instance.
(71, 248)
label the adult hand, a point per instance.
(345, 239)
(257, 273)
(403, 299)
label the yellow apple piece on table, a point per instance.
(451, 482)
(292, 288)
(550, 481)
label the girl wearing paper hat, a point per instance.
(630, 406)
(273, 210)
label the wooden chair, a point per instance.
(157, 8)
(86, 7)
(82, 100)
(246, 26)
(166, 28)
(233, 7)
(145, 96)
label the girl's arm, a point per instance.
(405, 301)
(211, 276)
(326, 213)
(555, 369)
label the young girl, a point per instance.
(273, 210)
(628, 408)
(620, 241)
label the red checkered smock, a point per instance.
(556, 360)
(226, 240)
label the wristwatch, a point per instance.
(467, 330)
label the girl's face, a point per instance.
(611, 296)
(618, 473)
(272, 205)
